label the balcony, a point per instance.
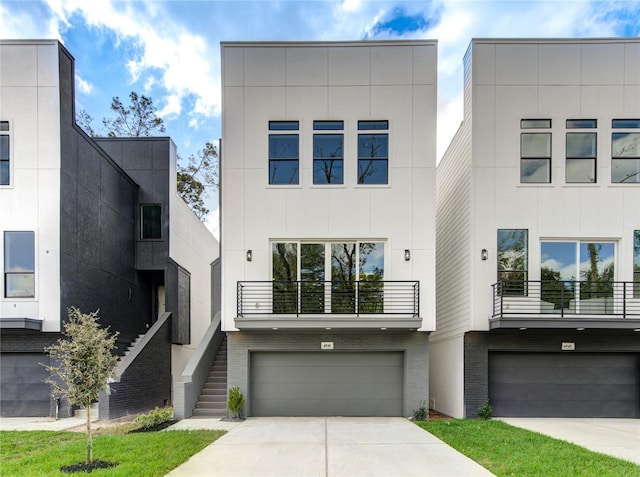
(565, 304)
(328, 305)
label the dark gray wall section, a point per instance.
(478, 345)
(414, 345)
(216, 288)
(146, 161)
(146, 383)
(177, 301)
(97, 229)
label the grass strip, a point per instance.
(43, 453)
(509, 451)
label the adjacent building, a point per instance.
(96, 224)
(328, 225)
(538, 233)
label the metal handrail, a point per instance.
(565, 297)
(300, 298)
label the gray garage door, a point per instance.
(565, 384)
(23, 391)
(326, 384)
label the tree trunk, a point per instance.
(89, 436)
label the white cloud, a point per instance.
(83, 86)
(213, 223)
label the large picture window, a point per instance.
(373, 152)
(625, 151)
(19, 265)
(4, 153)
(574, 272)
(333, 277)
(284, 152)
(328, 154)
(513, 260)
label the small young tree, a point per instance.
(82, 363)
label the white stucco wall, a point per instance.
(193, 247)
(30, 101)
(394, 81)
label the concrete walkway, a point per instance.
(616, 437)
(326, 447)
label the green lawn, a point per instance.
(42, 453)
(510, 451)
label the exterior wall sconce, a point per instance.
(249, 255)
(484, 254)
(407, 254)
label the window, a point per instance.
(577, 271)
(513, 260)
(328, 163)
(625, 151)
(335, 277)
(535, 152)
(636, 263)
(151, 221)
(4, 153)
(19, 265)
(284, 152)
(581, 157)
(373, 153)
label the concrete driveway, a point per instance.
(327, 447)
(616, 437)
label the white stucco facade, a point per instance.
(29, 102)
(482, 186)
(349, 82)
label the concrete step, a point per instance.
(220, 390)
(209, 413)
(211, 405)
(213, 398)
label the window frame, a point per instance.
(636, 263)
(328, 129)
(526, 159)
(623, 128)
(375, 129)
(7, 261)
(277, 130)
(581, 158)
(501, 273)
(142, 221)
(5, 132)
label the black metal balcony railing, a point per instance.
(335, 298)
(562, 298)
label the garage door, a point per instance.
(23, 391)
(327, 384)
(565, 384)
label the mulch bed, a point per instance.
(438, 416)
(157, 428)
(84, 467)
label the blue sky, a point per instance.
(170, 50)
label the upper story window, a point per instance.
(625, 151)
(284, 152)
(373, 152)
(150, 221)
(513, 260)
(535, 152)
(4, 153)
(19, 265)
(328, 152)
(581, 152)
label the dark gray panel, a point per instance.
(565, 384)
(327, 384)
(137, 155)
(23, 391)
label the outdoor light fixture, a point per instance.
(407, 254)
(249, 255)
(484, 254)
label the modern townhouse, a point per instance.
(328, 225)
(96, 224)
(538, 233)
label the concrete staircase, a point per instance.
(213, 399)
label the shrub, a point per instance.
(236, 401)
(154, 418)
(422, 413)
(485, 411)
